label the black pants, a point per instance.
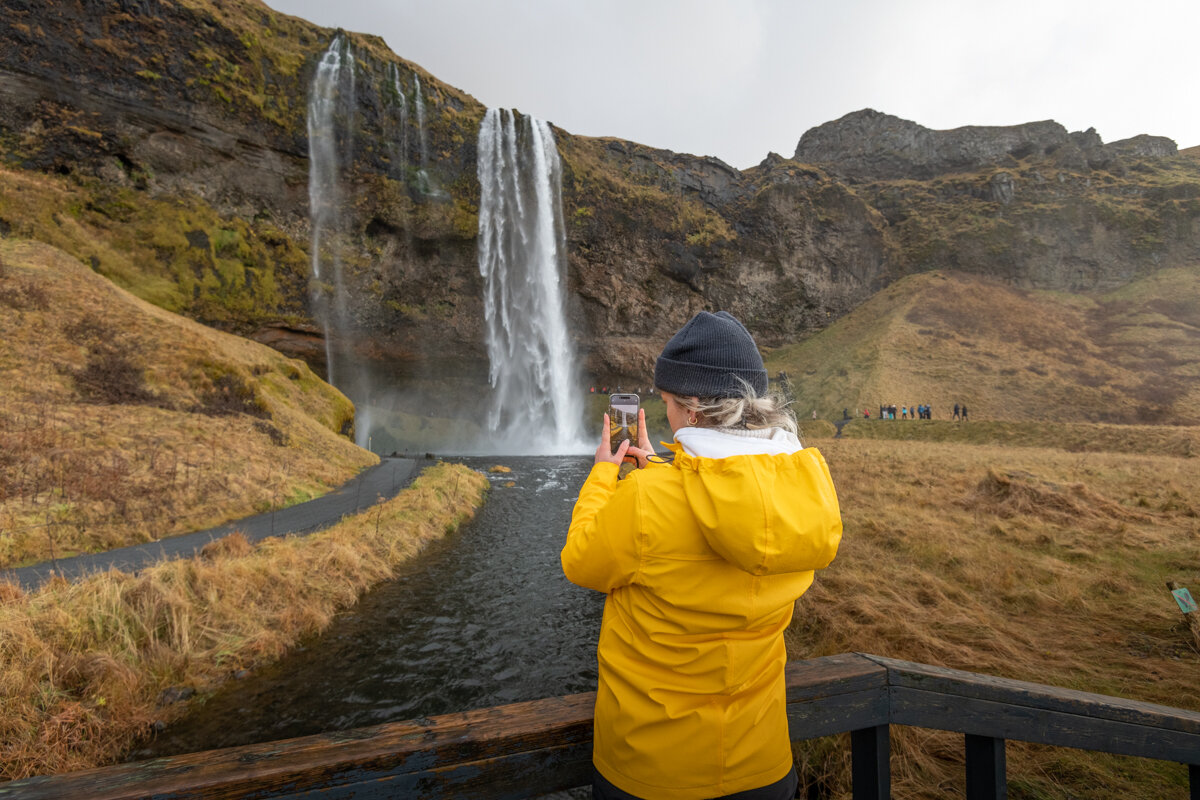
(783, 789)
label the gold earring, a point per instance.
(692, 420)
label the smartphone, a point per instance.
(622, 419)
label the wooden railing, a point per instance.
(528, 749)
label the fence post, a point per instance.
(870, 766)
(986, 768)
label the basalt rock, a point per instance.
(869, 145)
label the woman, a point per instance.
(702, 559)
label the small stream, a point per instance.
(481, 618)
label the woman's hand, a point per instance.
(604, 453)
(625, 451)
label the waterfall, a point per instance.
(331, 103)
(536, 406)
(422, 136)
(400, 146)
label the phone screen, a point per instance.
(622, 419)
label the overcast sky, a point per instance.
(737, 80)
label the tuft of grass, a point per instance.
(87, 663)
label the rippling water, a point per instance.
(482, 618)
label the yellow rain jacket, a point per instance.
(702, 560)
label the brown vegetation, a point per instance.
(89, 665)
(1128, 357)
(1029, 563)
(122, 423)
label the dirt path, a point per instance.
(383, 480)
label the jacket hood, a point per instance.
(766, 514)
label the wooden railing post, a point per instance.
(986, 768)
(870, 763)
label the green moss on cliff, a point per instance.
(641, 192)
(177, 253)
(1131, 214)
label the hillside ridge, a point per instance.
(868, 144)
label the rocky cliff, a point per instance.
(869, 145)
(178, 128)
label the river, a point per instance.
(481, 618)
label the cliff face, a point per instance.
(868, 145)
(1032, 205)
(655, 236)
(180, 128)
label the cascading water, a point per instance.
(422, 136)
(331, 103)
(324, 197)
(536, 404)
(400, 145)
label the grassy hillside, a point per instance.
(1131, 356)
(1031, 563)
(121, 422)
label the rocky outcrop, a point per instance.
(869, 145)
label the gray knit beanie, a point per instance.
(707, 356)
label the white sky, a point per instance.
(736, 80)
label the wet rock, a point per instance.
(175, 694)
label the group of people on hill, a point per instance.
(922, 411)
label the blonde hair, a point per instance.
(747, 411)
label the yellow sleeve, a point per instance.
(603, 549)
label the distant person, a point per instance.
(702, 559)
(955, 411)
(866, 413)
(845, 413)
(903, 412)
(814, 413)
(964, 413)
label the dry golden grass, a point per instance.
(1163, 440)
(121, 422)
(1030, 563)
(1132, 356)
(84, 664)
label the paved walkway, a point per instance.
(383, 480)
